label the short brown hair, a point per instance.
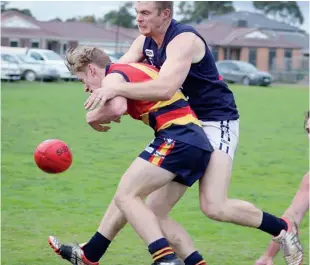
(162, 5)
(78, 58)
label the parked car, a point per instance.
(113, 56)
(31, 69)
(53, 59)
(9, 71)
(242, 72)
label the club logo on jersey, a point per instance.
(149, 53)
(150, 56)
(169, 141)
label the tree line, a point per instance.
(196, 11)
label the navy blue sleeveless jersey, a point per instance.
(208, 95)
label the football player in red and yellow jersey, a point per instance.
(176, 158)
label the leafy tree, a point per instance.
(88, 19)
(199, 10)
(26, 12)
(3, 5)
(71, 19)
(284, 11)
(121, 17)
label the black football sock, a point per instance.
(195, 259)
(96, 247)
(272, 225)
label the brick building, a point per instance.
(18, 30)
(251, 37)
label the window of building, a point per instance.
(65, 46)
(226, 54)
(288, 59)
(35, 44)
(215, 52)
(272, 59)
(252, 56)
(14, 43)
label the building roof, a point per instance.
(64, 30)
(220, 34)
(215, 32)
(254, 20)
(298, 38)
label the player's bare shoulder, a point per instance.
(193, 44)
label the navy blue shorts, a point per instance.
(186, 161)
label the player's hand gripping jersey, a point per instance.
(172, 118)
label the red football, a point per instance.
(53, 156)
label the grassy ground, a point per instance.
(271, 159)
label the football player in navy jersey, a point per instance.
(185, 60)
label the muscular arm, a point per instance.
(180, 53)
(135, 52)
(113, 108)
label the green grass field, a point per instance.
(270, 161)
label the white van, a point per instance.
(53, 59)
(49, 57)
(31, 69)
(9, 71)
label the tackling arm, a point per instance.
(172, 75)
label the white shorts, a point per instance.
(223, 135)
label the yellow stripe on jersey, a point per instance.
(177, 96)
(154, 74)
(149, 71)
(181, 121)
(145, 118)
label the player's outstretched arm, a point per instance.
(296, 211)
(174, 71)
(135, 52)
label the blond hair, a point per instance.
(78, 58)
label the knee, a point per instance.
(122, 199)
(215, 211)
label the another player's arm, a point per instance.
(296, 211)
(135, 52)
(180, 53)
(111, 111)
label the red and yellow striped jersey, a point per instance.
(172, 118)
